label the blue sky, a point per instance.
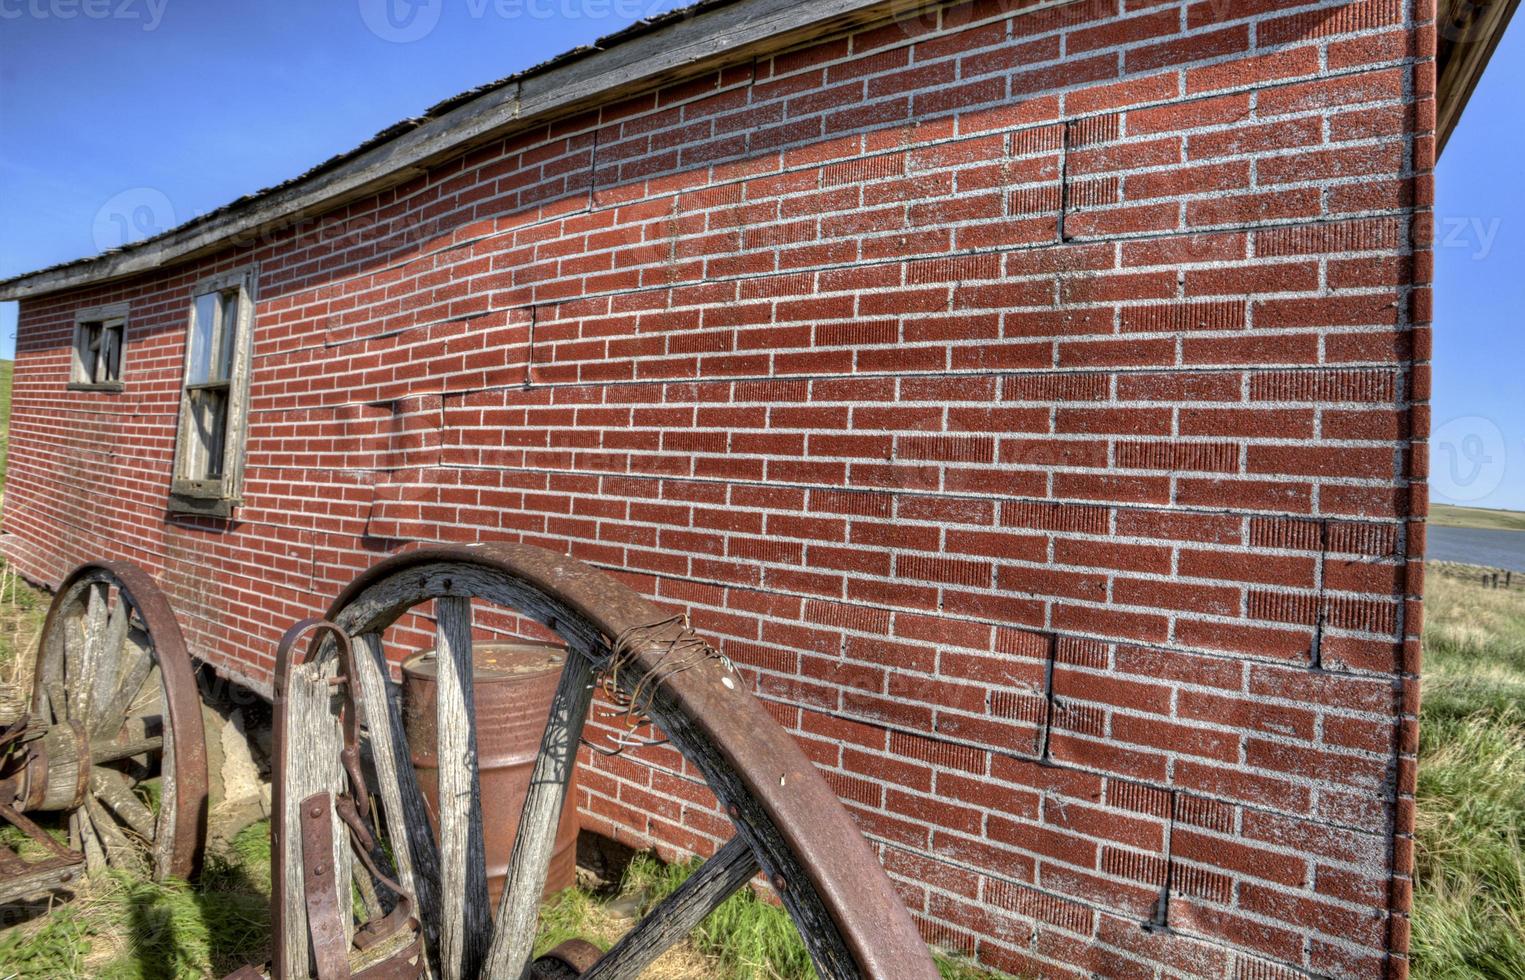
(120, 118)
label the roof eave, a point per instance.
(673, 48)
(1467, 33)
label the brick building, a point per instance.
(1030, 395)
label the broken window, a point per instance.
(214, 398)
(99, 336)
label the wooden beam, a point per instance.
(1467, 33)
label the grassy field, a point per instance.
(22, 610)
(1469, 902)
(1447, 515)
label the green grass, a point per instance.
(748, 937)
(130, 928)
(21, 607)
(1469, 902)
(1446, 515)
(22, 611)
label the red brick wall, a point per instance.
(1027, 398)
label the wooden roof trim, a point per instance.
(1467, 33)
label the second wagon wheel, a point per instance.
(789, 824)
(114, 681)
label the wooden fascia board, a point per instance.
(1467, 33)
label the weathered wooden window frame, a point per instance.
(80, 373)
(217, 497)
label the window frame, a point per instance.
(79, 373)
(217, 497)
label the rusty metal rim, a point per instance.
(871, 920)
(181, 696)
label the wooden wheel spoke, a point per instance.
(118, 850)
(110, 788)
(51, 706)
(133, 675)
(61, 686)
(108, 662)
(464, 922)
(414, 853)
(95, 854)
(514, 932)
(677, 915)
(52, 652)
(82, 681)
(165, 822)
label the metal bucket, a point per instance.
(513, 684)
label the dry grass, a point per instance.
(1459, 612)
(579, 914)
(22, 610)
(1469, 896)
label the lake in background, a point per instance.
(1477, 546)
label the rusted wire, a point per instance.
(680, 649)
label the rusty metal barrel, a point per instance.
(513, 684)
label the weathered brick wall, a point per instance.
(1027, 397)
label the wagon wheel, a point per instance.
(788, 822)
(113, 674)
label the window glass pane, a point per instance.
(93, 361)
(227, 344)
(209, 431)
(202, 339)
(111, 352)
(89, 351)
